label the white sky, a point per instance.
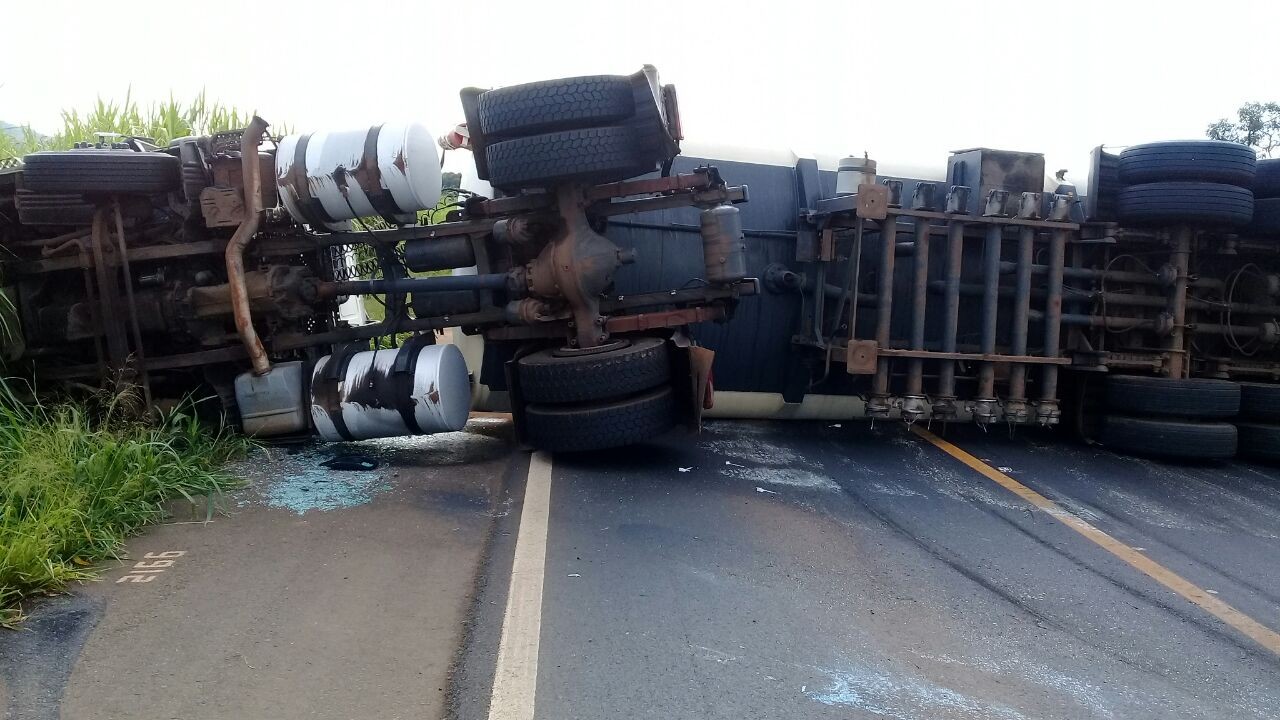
(906, 80)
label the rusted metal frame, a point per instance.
(951, 314)
(1021, 312)
(975, 357)
(234, 255)
(1175, 344)
(230, 353)
(993, 220)
(379, 237)
(614, 324)
(713, 196)
(1053, 324)
(108, 291)
(670, 318)
(1235, 367)
(683, 183)
(1120, 276)
(140, 358)
(879, 405)
(437, 283)
(699, 178)
(919, 303)
(990, 308)
(367, 332)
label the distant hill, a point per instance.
(14, 130)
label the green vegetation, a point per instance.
(161, 123)
(77, 478)
(1256, 124)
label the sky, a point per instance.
(906, 82)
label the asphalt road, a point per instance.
(320, 595)
(761, 570)
(813, 570)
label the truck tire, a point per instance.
(66, 209)
(1259, 441)
(577, 428)
(1214, 161)
(546, 377)
(100, 171)
(1172, 203)
(1260, 401)
(1266, 218)
(602, 154)
(1168, 397)
(70, 209)
(1173, 439)
(1266, 181)
(550, 105)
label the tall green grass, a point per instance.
(78, 477)
(161, 122)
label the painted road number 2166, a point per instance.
(151, 565)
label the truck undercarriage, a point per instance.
(1143, 312)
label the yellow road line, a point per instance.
(1259, 633)
(515, 679)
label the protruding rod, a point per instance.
(1021, 308)
(951, 314)
(1181, 260)
(884, 308)
(919, 300)
(1053, 313)
(990, 308)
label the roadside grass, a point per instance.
(77, 477)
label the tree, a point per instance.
(1257, 125)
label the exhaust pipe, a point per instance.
(251, 170)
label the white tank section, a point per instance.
(374, 398)
(391, 170)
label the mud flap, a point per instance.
(694, 392)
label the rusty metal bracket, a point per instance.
(873, 202)
(861, 357)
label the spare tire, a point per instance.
(100, 171)
(1215, 161)
(549, 376)
(1260, 401)
(564, 104)
(575, 428)
(602, 154)
(1259, 441)
(1170, 397)
(1173, 203)
(1175, 439)
(1266, 181)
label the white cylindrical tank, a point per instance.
(390, 170)
(374, 396)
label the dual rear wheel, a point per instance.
(598, 398)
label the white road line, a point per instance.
(515, 680)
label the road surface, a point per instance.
(760, 570)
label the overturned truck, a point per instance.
(1142, 314)
(589, 272)
(227, 261)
